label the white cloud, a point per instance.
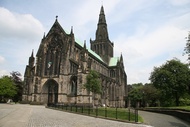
(4, 72)
(20, 26)
(143, 50)
(19, 34)
(179, 2)
(2, 59)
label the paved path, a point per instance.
(39, 116)
(162, 120)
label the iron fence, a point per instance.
(105, 112)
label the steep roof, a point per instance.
(89, 50)
(113, 61)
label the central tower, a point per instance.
(102, 45)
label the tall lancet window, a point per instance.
(48, 62)
(53, 56)
(56, 67)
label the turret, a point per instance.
(31, 60)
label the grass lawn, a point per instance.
(176, 107)
(180, 107)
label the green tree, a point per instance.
(7, 88)
(93, 83)
(136, 94)
(172, 79)
(16, 78)
(151, 95)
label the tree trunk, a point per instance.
(177, 98)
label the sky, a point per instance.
(146, 32)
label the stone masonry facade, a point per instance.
(58, 72)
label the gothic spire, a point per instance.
(102, 32)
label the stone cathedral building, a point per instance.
(58, 72)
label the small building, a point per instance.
(58, 72)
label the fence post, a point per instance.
(89, 110)
(116, 112)
(129, 115)
(136, 115)
(96, 110)
(106, 111)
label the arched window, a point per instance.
(73, 89)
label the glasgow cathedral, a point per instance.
(58, 72)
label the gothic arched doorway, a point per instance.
(50, 91)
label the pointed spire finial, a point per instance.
(71, 29)
(56, 17)
(85, 44)
(121, 57)
(44, 35)
(102, 10)
(102, 18)
(31, 59)
(32, 55)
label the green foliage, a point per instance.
(16, 77)
(7, 88)
(93, 82)
(151, 95)
(144, 95)
(185, 100)
(172, 79)
(136, 93)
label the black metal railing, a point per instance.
(105, 112)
